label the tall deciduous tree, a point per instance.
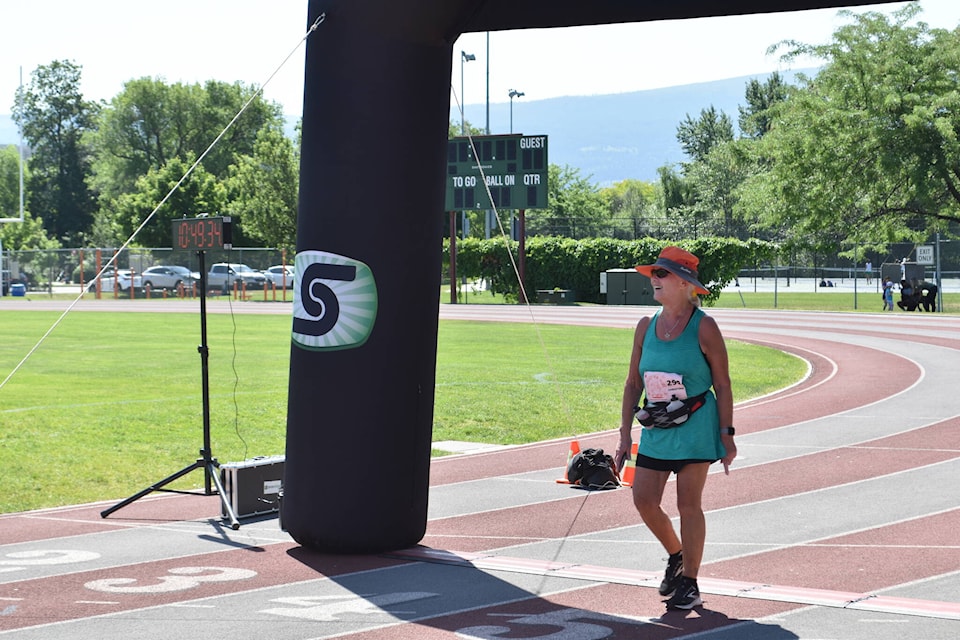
(870, 147)
(54, 119)
(631, 203)
(150, 123)
(199, 193)
(575, 207)
(30, 233)
(9, 182)
(756, 117)
(263, 190)
(697, 137)
(715, 179)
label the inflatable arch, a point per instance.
(369, 232)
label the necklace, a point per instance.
(668, 333)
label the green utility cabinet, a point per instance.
(626, 286)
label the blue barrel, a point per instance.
(19, 289)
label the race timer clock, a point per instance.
(202, 233)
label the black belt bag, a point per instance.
(667, 415)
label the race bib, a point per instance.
(661, 386)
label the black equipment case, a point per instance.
(253, 486)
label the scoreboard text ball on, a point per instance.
(513, 167)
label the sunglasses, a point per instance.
(659, 273)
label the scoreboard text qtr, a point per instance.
(513, 167)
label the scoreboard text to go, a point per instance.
(513, 168)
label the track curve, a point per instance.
(838, 520)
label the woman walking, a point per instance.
(679, 364)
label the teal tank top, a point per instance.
(699, 437)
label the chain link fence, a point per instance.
(56, 270)
(61, 270)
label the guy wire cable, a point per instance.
(516, 270)
(546, 354)
(233, 361)
(320, 19)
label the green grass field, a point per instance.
(111, 402)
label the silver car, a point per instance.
(280, 275)
(168, 277)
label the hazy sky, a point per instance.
(247, 40)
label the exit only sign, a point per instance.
(925, 254)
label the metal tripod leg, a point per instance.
(207, 462)
(209, 467)
(227, 509)
(199, 464)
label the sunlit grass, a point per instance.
(111, 402)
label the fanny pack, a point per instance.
(667, 415)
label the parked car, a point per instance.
(168, 277)
(276, 275)
(121, 278)
(223, 274)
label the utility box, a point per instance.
(253, 487)
(626, 286)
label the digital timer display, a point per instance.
(202, 233)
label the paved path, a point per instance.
(839, 520)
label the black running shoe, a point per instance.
(673, 574)
(687, 595)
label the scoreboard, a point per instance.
(202, 233)
(513, 167)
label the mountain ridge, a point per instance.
(618, 136)
(608, 137)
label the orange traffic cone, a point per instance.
(630, 468)
(574, 450)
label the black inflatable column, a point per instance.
(369, 238)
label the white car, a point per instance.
(119, 278)
(280, 275)
(164, 277)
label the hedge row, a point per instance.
(565, 263)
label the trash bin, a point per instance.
(19, 290)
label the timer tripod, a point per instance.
(206, 461)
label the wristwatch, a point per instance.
(727, 431)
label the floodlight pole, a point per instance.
(464, 57)
(206, 461)
(513, 94)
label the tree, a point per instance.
(454, 130)
(54, 119)
(27, 235)
(200, 193)
(263, 189)
(756, 118)
(870, 147)
(575, 207)
(698, 137)
(715, 179)
(9, 182)
(630, 203)
(149, 123)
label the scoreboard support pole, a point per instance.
(206, 461)
(522, 253)
(453, 257)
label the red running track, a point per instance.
(143, 570)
